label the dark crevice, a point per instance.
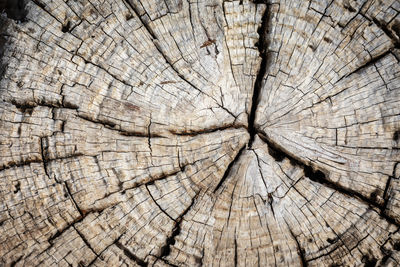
(349, 7)
(149, 140)
(72, 198)
(14, 263)
(149, 181)
(396, 136)
(3, 45)
(17, 187)
(179, 161)
(130, 255)
(15, 9)
(29, 106)
(158, 205)
(388, 32)
(79, 219)
(228, 169)
(367, 64)
(332, 240)
(320, 176)
(260, 169)
(19, 164)
(136, 12)
(25, 107)
(36, 160)
(199, 260)
(43, 150)
(157, 178)
(66, 27)
(66, 157)
(112, 126)
(262, 45)
(62, 231)
(300, 250)
(206, 131)
(270, 202)
(369, 260)
(72, 224)
(386, 193)
(166, 249)
(236, 251)
(87, 61)
(99, 255)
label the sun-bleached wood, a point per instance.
(200, 133)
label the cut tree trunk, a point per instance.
(191, 133)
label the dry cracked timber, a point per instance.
(190, 133)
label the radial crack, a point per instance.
(263, 50)
(72, 198)
(44, 158)
(110, 125)
(166, 249)
(300, 250)
(319, 176)
(386, 193)
(158, 205)
(206, 131)
(228, 169)
(130, 255)
(367, 64)
(85, 241)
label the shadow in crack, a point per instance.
(14, 9)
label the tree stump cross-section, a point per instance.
(200, 133)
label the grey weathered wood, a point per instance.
(191, 133)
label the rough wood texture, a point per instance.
(189, 133)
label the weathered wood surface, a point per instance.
(192, 133)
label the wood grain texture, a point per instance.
(200, 133)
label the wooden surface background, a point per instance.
(200, 133)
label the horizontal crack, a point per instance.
(37, 160)
(206, 131)
(28, 106)
(110, 125)
(19, 164)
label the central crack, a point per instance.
(262, 46)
